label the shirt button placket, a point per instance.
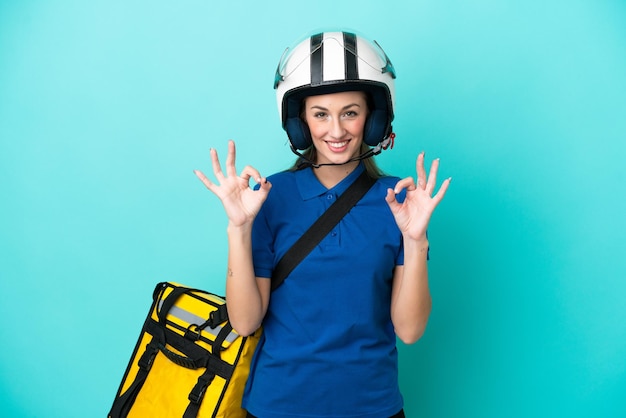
(334, 234)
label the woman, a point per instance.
(329, 343)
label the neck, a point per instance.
(331, 175)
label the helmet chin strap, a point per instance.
(383, 145)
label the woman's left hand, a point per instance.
(413, 215)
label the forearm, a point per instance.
(411, 301)
(245, 301)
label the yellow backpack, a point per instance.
(188, 361)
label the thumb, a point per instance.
(265, 185)
(390, 198)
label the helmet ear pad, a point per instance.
(375, 129)
(298, 133)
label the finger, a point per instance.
(390, 198)
(231, 171)
(204, 179)
(265, 186)
(442, 191)
(405, 183)
(215, 163)
(432, 176)
(250, 172)
(421, 171)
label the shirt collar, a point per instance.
(309, 186)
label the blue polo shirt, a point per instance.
(328, 347)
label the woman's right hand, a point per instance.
(240, 201)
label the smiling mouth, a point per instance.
(337, 144)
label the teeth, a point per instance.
(337, 144)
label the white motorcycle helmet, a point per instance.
(332, 62)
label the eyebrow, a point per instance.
(343, 108)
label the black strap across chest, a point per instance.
(320, 228)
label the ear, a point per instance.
(375, 127)
(298, 133)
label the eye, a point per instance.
(351, 114)
(319, 115)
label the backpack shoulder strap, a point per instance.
(320, 228)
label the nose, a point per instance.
(336, 130)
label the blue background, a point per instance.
(106, 107)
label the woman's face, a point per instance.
(336, 122)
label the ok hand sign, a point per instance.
(240, 202)
(413, 215)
